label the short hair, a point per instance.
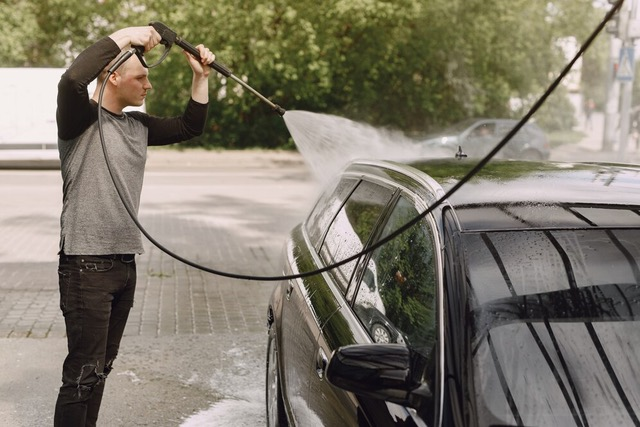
(103, 74)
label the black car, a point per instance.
(517, 299)
(479, 136)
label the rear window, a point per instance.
(554, 320)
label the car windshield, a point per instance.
(554, 326)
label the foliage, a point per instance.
(18, 20)
(557, 115)
(406, 64)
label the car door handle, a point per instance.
(321, 363)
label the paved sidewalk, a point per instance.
(193, 338)
(171, 297)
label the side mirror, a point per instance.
(379, 371)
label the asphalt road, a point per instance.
(194, 348)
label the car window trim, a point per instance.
(438, 251)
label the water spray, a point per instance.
(170, 37)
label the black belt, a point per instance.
(118, 257)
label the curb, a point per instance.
(227, 159)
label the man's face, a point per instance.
(132, 83)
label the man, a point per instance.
(98, 239)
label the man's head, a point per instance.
(127, 86)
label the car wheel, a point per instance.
(275, 406)
(531, 154)
(380, 333)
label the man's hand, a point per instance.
(201, 67)
(137, 36)
(201, 71)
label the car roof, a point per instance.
(519, 194)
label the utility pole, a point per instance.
(628, 32)
(612, 97)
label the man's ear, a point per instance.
(114, 78)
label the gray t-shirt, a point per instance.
(94, 220)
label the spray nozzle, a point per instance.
(170, 37)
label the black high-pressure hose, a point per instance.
(173, 38)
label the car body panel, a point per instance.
(299, 343)
(331, 405)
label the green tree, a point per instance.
(50, 33)
(406, 64)
(18, 26)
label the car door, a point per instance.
(514, 146)
(299, 327)
(348, 234)
(311, 301)
(395, 290)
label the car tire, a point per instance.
(380, 334)
(275, 406)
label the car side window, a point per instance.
(483, 130)
(326, 208)
(352, 227)
(396, 298)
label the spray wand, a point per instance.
(170, 37)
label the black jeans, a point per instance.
(96, 295)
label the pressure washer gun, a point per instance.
(170, 37)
